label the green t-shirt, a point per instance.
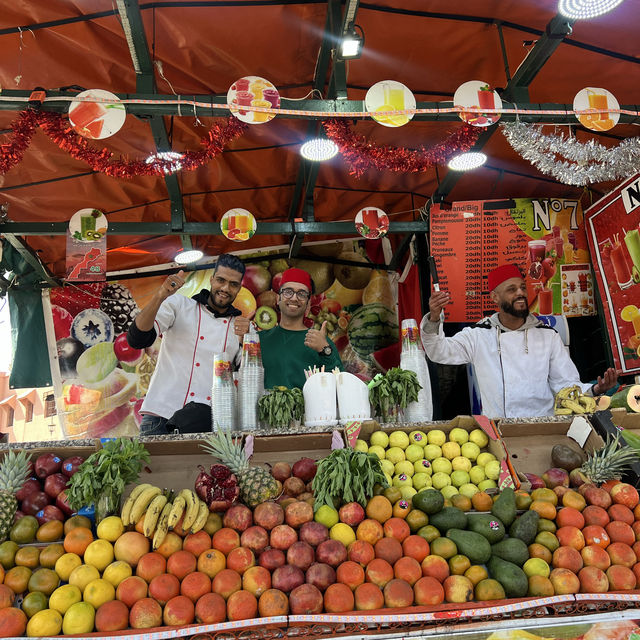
(285, 357)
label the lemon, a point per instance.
(47, 622)
(470, 450)
(99, 554)
(421, 480)
(379, 451)
(387, 466)
(405, 467)
(492, 470)
(97, 592)
(399, 439)
(401, 480)
(418, 437)
(407, 492)
(484, 457)
(437, 436)
(439, 480)
(414, 452)
(461, 463)
(459, 435)
(65, 564)
(629, 313)
(395, 454)
(458, 478)
(379, 439)
(479, 437)
(432, 451)
(536, 567)
(110, 528)
(468, 490)
(383, 119)
(79, 619)
(343, 533)
(423, 466)
(477, 474)
(81, 576)
(449, 491)
(441, 465)
(63, 597)
(327, 516)
(116, 572)
(483, 485)
(361, 445)
(451, 450)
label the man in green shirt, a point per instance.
(290, 348)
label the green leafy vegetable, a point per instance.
(107, 471)
(281, 406)
(398, 387)
(346, 475)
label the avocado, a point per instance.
(511, 577)
(505, 506)
(429, 501)
(24, 530)
(525, 527)
(449, 518)
(486, 525)
(473, 545)
(512, 550)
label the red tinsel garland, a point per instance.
(104, 161)
(360, 154)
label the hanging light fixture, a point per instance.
(188, 256)
(586, 9)
(467, 161)
(172, 158)
(351, 43)
(318, 149)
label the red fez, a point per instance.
(502, 273)
(296, 275)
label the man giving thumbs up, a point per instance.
(290, 348)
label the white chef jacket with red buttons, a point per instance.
(191, 335)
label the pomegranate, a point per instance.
(305, 469)
(281, 471)
(219, 488)
(548, 268)
(535, 271)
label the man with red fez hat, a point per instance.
(520, 362)
(290, 348)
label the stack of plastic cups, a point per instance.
(250, 382)
(413, 359)
(223, 394)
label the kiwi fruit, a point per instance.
(265, 317)
(566, 458)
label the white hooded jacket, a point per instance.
(519, 372)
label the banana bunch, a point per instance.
(571, 400)
(162, 510)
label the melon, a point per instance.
(628, 398)
(372, 327)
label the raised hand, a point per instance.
(437, 301)
(316, 339)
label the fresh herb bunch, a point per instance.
(281, 406)
(398, 387)
(107, 471)
(380, 396)
(346, 475)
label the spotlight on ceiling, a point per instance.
(172, 160)
(187, 257)
(586, 9)
(467, 161)
(318, 149)
(351, 43)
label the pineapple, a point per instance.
(14, 471)
(608, 463)
(257, 485)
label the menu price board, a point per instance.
(613, 231)
(539, 235)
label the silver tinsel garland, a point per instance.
(570, 161)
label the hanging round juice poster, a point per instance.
(253, 91)
(591, 100)
(88, 225)
(238, 225)
(387, 96)
(372, 223)
(476, 94)
(97, 120)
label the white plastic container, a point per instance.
(320, 408)
(353, 398)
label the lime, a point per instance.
(479, 437)
(327, 516)
(399, 439)
(379, 439)
(437, 437)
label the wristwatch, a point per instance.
(326, 351)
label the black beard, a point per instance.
(508, 307)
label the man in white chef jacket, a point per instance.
(192, 330)
(520, 363)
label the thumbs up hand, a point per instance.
(316, 339)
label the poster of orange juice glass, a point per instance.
(390, 96)
(253, 91)
(238, 225)
(97, 114)
(477, 95)
(594, 101)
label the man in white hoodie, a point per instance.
(520, 362)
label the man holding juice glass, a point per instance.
(520, 363)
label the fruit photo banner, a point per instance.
(544, 237)
(613, 232)
(103, 381)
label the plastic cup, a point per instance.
(259, 116)
(272, 96)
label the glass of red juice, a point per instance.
(621, 267)
(537, 249)
(545, 302)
